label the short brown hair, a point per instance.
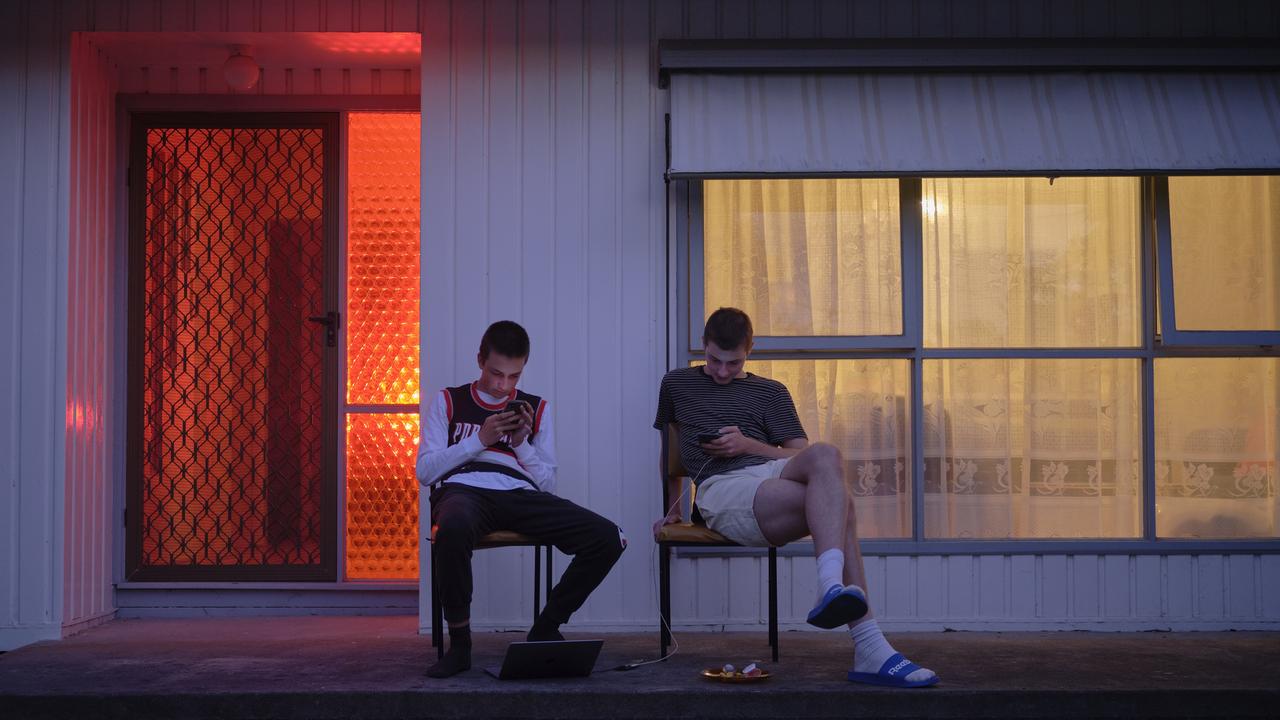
(505, 338)
(729, 328)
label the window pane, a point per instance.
(1022, 262)
(1225, 233)
(1032, 448)
(805, 257)
(1217, 447)
(382, 496)
(863, 408)
(382, 257)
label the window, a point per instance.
(987, 351)
(381, 398)
(1220, 260)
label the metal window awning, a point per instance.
(1073, 116)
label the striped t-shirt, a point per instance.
(761, 408)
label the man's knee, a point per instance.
(609, 542)
(826, 456)
(454, 532)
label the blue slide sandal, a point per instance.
(839, 606)
(893, 673)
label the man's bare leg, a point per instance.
(810, 497)
(783, 508)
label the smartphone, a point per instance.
(706, 437)
(516, 406)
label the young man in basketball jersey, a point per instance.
(488, 451)
(760, 482)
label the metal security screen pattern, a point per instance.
(230, 354)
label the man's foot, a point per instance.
(895, 671)
(841, 605)
(454, 661)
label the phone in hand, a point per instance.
(706, 437)
(516, 406)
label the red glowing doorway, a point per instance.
(233, 382)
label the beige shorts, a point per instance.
(727, 500)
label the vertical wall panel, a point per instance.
(1180, 588)
(87, 573)
(13, 53)
(1117, 586)
(34, 191)
(1211, 589)
(1242, 587)
(1148, 586)
(992, 588)
(1022, 586)
(959, 586)
(1086, 588)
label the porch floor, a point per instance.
(329, 667)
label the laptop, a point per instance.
(559, 658)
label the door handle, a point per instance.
(331, 322)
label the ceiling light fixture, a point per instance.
(240, 70)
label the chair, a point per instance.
(496, 539)
(695, 534)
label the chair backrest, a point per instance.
(671, 448)
(672, 467)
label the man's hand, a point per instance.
(521, 432)
(497, 426)
(731, 443)
(672, 517)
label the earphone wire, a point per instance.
(653, 559)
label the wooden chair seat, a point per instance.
(507, 538)
(687, 533)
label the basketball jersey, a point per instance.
(467, 411)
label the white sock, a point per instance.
(871, 648)
(830, 570)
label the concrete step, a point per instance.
(373, 668)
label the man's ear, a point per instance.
(480, 361)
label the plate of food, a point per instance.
(730, 674)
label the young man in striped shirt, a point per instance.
(489, 454)
(760, 482)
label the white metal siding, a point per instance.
(543, 203)
(87, 574)
(1112, 592)
(33, 204)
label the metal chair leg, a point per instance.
(773, 601)
(547, 569)
(437, 609)
(537, 581)
(664, 599)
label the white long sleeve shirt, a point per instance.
(534, 458)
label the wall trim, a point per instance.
(83, 624)
(12, 638)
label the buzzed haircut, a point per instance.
(729, 328)
(505, 338)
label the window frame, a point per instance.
(686, 268)
(1169, 332)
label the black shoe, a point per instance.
(454, 661)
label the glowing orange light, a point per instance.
(382, 258)
(382, 496)
(382, 344)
